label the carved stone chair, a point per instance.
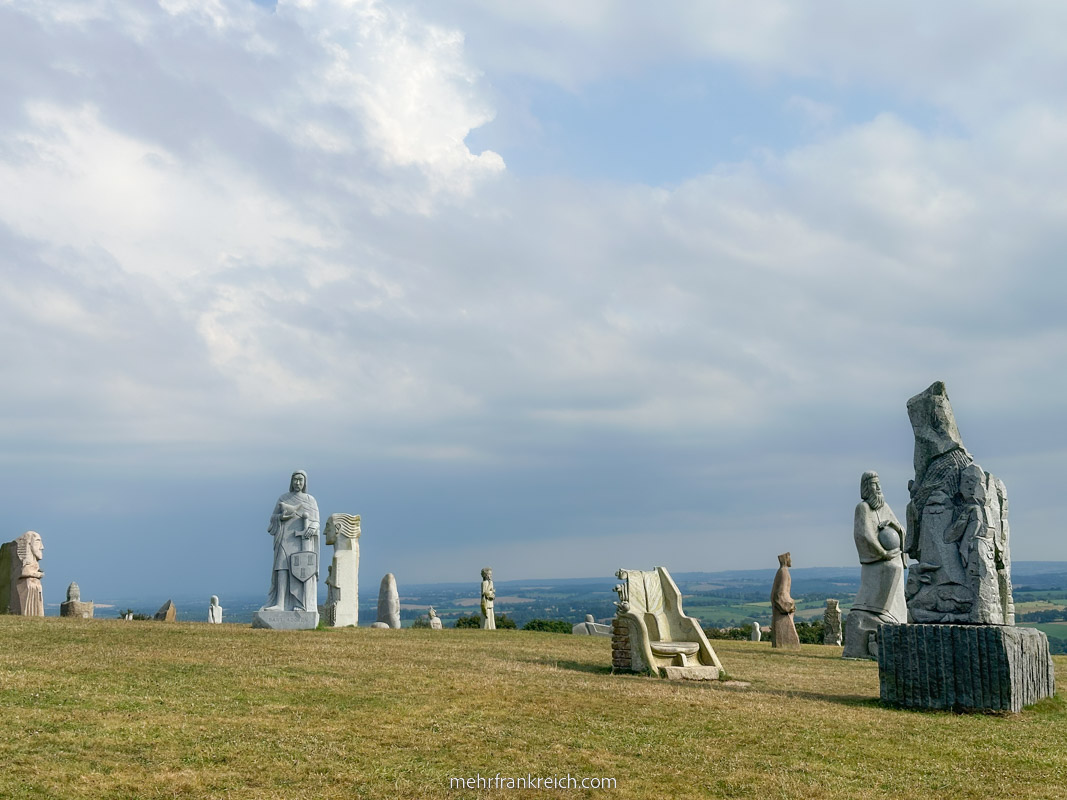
(652, 634)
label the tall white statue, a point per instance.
(342, 604)
(214, 611)
(488, 600)
(294, 524)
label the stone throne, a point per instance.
(651, 633)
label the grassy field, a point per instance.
(107, 709)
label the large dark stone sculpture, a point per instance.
(959, 648)
(957, 525)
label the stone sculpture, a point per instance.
(74, 607)
(959, 648)
(652, 634)
(591, 628)
(292, 601)
(488, 600)
(20, 576)
(957, 525)
(757, 633)
(831, 622)
(167, 612)
(342, 601)
(214, 611)
(435, 621)
(880, 599)
(388, 602)
(783, 631)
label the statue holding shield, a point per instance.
(294, 524)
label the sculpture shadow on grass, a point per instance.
(574, 666)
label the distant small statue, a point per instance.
(783, 631)
(757, 633)
(831, 622)
(435, 621)
(21, 579)
(214, 611)
(488, 599)
(880, 599)
(74, 607)
(591, 628)
(388, 603)
(294, 524)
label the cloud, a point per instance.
(241, 240)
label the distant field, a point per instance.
(101, 709)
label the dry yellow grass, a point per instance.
(109, 709)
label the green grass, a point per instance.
(108, 709)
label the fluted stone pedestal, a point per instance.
(964, 667)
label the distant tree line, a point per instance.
(1052, 615)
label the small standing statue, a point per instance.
(757, 633)
(488, 596)
(214, 611)
(435, 621)
(831, 622)
(342, 583)
(783, 631)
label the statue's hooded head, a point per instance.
(214, 599)
(785, 560)
(487, 573)
(871, 490)
(303, 476)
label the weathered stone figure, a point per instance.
(783, 631)
(342, 602)
(73, 606)
(20, 581)
(435, 621)
(214, 611)
(880, 600)
(831, 622)
(168, 612)
(388, 602)
(957, 525)
(757, 632)
(294, 524)
(488, 599)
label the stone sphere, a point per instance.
(889, 539)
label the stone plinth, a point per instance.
(76, 608)
(964, 667)
(294, 620)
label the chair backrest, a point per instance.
(645, 594)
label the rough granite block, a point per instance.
(964, 667)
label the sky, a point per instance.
(549, 286)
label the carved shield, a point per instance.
(303, 566)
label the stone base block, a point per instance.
(691, 673)
(964, 667)
(76, 608)
(285, 620)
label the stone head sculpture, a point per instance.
(30, 548)
(74, 593)
(214, 599)
(871, 490)
(432, 612)
(972, 484)
(832, 604)
(299, 481)
(487, 573)
(785, 560)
